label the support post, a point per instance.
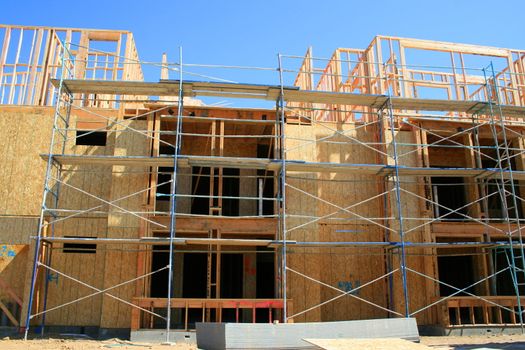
(282, 209)
(173, 200)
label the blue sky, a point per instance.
(253, 32)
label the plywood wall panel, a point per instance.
(25, 134)
(121, 266)
(304, 293)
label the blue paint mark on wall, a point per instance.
(52, 277)
(347, 286)
(7, 252)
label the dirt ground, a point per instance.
(82, 344)
(506, 342)
(487, 342)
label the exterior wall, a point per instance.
(341, 268)
(350, 267)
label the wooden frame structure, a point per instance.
(352, 168)
(30, 58)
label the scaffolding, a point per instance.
(358, 161)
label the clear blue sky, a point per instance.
(244, 32)
(253, 32)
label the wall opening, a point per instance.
(90, 138)
(81, 248)
(457, 271)
(163, 191)
(231, 281)
(265, 277)
(200, 190)
(159, 280)
(449, 193)
(265, 183)
(230, 188)
(502, 259)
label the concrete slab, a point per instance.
(221, 336)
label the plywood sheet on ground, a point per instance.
(367, 344)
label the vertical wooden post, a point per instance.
(514, 81)
(472, 190)
(3, 57)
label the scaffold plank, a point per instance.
(275, 165)
(166, 241)
(271, 92)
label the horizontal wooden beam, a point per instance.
(230, 225)
(453, 47)
(469, 229)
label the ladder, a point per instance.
(49, 210)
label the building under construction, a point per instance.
(382, 182)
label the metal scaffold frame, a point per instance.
(64, 100)
(67, 98)
(384, 113)
(504, 173)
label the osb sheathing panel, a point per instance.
(421, 290)
(13, 262)
(351, 268)
(122, 266)
(93, 179)
(85, 267)
(25, 134)
(17, 229)
(304, 293)
(342, 267)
